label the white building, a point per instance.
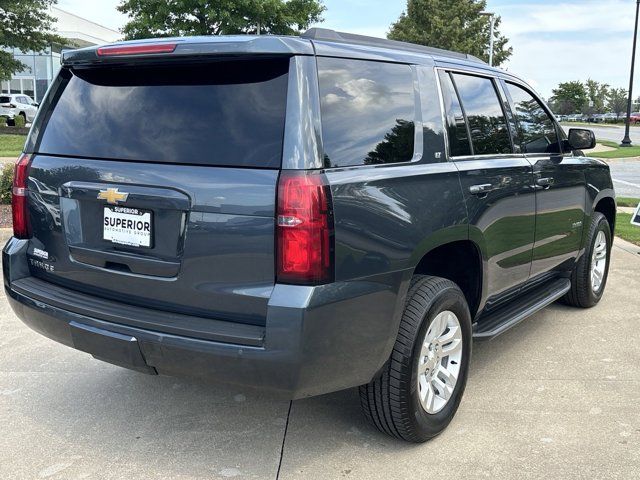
(43, 66)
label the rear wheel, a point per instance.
(589, 276)
(419, 390)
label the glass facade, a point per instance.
(35, 78)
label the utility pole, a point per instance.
(492, 24)
(626, 141)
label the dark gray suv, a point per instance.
(302, 214)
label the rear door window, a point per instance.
(368, 112)
(456, 124)
(537, 130)
(221, 113)
(482, 107)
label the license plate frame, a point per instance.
(117, 233)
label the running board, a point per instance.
(516, 311)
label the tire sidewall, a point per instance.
(429, 425)
(601, 225)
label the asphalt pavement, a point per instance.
(624, 172)
(555, 397)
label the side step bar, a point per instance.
(501, 320)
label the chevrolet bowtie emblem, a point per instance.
(113, 196)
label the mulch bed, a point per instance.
(14, 130)
(5, 216)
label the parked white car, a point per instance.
(16, 104)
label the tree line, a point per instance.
(588, 98)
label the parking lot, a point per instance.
(556, 397)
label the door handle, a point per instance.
(545, 182)
(482, 189)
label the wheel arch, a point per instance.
(607, 207)
(459, 261)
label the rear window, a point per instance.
(223, 113)
(5, 99)
(368, 111)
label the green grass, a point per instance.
(11, 145)
(627, 202)
(619, 152)
(626, 231)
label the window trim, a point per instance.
(556, 126)
(418, 139)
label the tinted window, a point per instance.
(229, 113)
(5, 99)
(456, 125)
(537, 130)
(368, 111)
(489, 133)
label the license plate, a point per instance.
(128, 226)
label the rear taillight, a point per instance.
(304, 230)
(136, 49)
(19, 207)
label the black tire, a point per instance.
(582, 294)
(390, 401)
(11, 122)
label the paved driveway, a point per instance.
(556, 397)
(626, 177)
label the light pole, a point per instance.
(492, 24)
(626, 141)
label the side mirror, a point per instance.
(581, 139)
(35, 104)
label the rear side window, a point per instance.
(368, 111)
(222, 113)
(482, 107)
(456, 126)
(5, 99)
(537, 130)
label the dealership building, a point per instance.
(43, 66)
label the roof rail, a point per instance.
(329, 35)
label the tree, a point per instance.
(153, 18)
(617, 101)
(453, 25)
(569, 97)
(26, 25)
(596, 97)
(398, 143)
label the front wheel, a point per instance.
(589, 276)
(419, 390)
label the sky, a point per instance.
(553, 40)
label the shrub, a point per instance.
(6, 184)
(19, 121)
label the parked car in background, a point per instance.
(609, 117)
(13, 105)
(575, 117)
(634, 118)
(346, 212)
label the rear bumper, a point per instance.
(316, 339)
